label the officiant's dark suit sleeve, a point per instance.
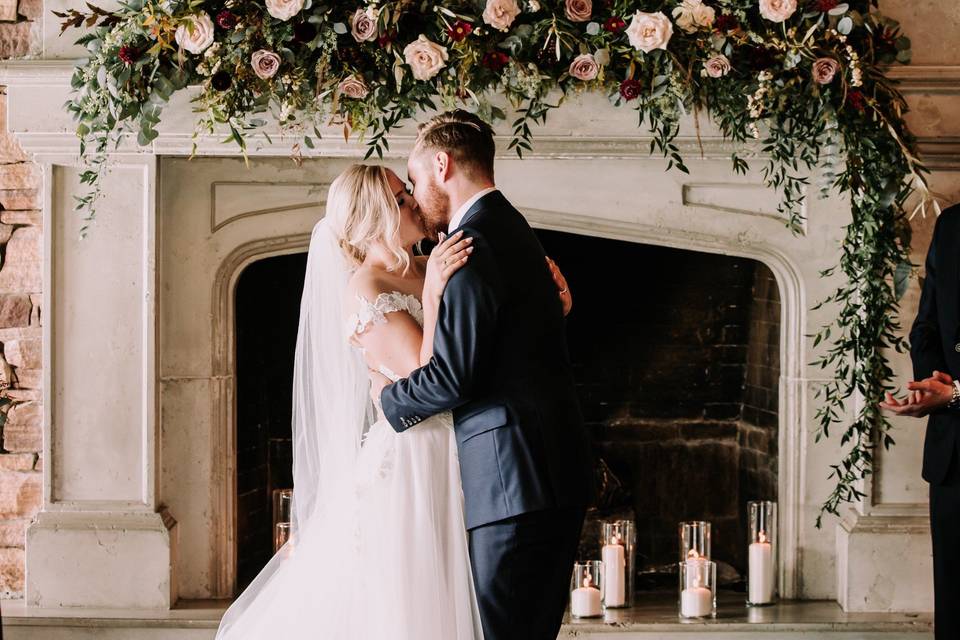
(926, 340)
(466, 324)
(935, 340)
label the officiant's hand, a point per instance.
(925, 396)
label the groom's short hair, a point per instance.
(462, 135)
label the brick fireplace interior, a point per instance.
(676, 356)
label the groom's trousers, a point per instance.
(521, 569)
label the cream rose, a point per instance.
(824, 69)
(717, 66)
(584, 67)
(284, 9)
(579, 10)
(777, 10)
(425, 58)
(353, 87)
(363, 24)
(692, 15)
(500, 14)
(196, 33)
(265, 63)
(649, 31)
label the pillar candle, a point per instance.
(696, 602)
(761, 571)
(614, 574)
(585, 601)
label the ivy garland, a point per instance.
(801, 79)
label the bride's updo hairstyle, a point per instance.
(364, 212)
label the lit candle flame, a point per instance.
(763, 536)
(692, 554)
(587, 579)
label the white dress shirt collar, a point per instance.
(462, 211)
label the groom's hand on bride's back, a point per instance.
(563, 289)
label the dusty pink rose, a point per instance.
(649, 31)
(284, 9)
(578, 10)
(777, 10)
(693, 14)
(354, 87)
(584, 67)
(500, 14)
(824, 69)
(363, 24)
(717, 66)
(425, 58)
(265, 63)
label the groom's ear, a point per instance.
(441, 166)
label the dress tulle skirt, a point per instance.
(389, 562)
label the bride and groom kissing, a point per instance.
(450, 507)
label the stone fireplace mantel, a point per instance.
(138, 364)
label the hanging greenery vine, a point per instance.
(803, 80)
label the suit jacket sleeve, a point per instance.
(465, 325)
(926, 345)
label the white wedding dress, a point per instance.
(389, 559)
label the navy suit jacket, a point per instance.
(935, 339)
(500, 363)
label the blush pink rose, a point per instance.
(584, 67)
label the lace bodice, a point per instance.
(371, 313)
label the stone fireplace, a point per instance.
(141, 370)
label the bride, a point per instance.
(378, 549)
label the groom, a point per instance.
(501, 365)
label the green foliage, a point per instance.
(766, 85)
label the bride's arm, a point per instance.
(445, 260)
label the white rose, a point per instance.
(284, 9)
(425, 58)
(717, 66)
(777, 10)
(196, 33)
(500, 14)
(693, 14)
(354, 87)
(649, 31)
(265, 63)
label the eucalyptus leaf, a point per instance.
(339, 28)
(845, 26)
(840, 9)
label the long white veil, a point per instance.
(331, 409)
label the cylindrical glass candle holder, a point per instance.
(585, 599)
(694, 540)
(282, 501)
(698, 588)
(618, 551)
(762, 552)
(281, 533)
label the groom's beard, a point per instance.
(435, 210)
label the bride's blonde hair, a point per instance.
(363, 211)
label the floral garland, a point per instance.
(802, 80)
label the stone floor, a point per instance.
(654, 617)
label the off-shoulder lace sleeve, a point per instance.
(375, 312)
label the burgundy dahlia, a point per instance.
(614, 24)
(460, 30)
(495, 60)
(725, 22)
(226, 19)
(221, 81)
(826, 5)
(630, 89)
(128, 54)
(304, 32)
(856, 100)
(386, 39)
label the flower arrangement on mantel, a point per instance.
(800, 81)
